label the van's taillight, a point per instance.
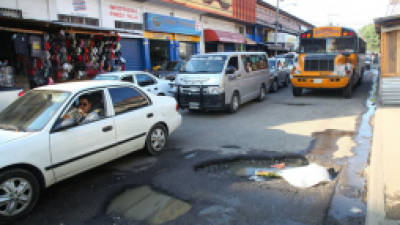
(21, 93)
(177, 107)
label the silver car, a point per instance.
(280, 73)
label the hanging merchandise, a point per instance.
(6, 75)
(82, 56)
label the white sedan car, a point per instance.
(54, 132)
(143, 79)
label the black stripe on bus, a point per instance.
(93, 152)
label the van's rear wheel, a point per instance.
(234, 106)
(297, 91)
(261, 96)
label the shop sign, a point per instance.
(156, 22)
(79, 5)
(14, 13)
(158, 36)
(124, 13)
(179, 37)
(222, 7)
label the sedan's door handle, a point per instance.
(107, 128)
(155, 88)
(150, 115)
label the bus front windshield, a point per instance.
(328, 45)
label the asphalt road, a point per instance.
(198, 167)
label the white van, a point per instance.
(222, 80)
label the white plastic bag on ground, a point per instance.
(305, 176)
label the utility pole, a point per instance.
(276, 27)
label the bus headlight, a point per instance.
(340, 70)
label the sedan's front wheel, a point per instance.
(19, 192)
(156, 139)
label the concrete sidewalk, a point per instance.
(383, 200)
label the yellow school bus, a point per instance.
(329, 57)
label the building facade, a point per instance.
(71, 39)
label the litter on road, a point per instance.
(301, 177)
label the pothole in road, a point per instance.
(145, 204)
(296, 170)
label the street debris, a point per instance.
(305, 176)
(301, 177)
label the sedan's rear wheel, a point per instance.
(287, 81)
(156, 139)
(19, 192)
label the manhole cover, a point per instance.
(145, 204)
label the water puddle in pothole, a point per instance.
(295, 170)
(145, 204)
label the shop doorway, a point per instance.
(132, 51)
(159, 52)
(14, 60)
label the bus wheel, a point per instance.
(297, 91)
(348, 90)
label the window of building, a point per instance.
(78, 20)
(128, 25)
(249, 30)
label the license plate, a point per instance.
(317, 81)
(194, 105)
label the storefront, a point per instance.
(169, 39)
(126, 16)
(222, 41)
(21, 58)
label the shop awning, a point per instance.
(223, 36)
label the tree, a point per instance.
(371, 37)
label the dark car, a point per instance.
(169, 70)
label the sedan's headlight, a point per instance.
(213, 90)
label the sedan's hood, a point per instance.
(7, 135)
(198, 79)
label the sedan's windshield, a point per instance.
(328, 45)
(105, 77)
(204, 64)
(32, 111)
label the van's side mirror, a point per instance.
(230, 70)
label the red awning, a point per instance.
(223, 36)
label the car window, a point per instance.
(144, 80)
(85, 108)
(128, 78)
(125, 99)
(233, 63)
